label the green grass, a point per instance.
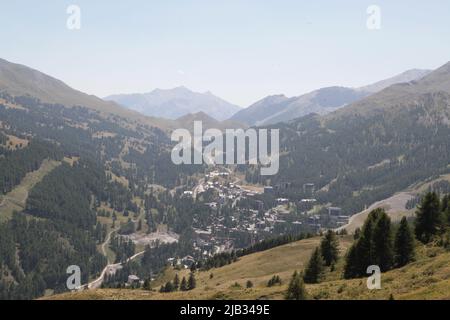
(16, 199)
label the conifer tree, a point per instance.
(176, 282)
(329, 248)
(315, 269)
(351, 263)
(192, 282)
(428, 218)
(183, 285)
(404, 244)
(361, 254)
(296, 289)
(382, 244)
(147, 285)
(446, 209)
(168, 287)
(363, 249)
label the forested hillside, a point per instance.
(369, 150)
(59, 225)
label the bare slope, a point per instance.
(19, 80)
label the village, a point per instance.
(243, 215)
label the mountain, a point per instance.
(175, 103)
(321, 101)
(20, 80)
(70, 166)
(262, 109)
(371, 149)
(407, 76)
(279, 108)
(187, 121)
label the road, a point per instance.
(109, 269)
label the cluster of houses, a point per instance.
(218, 237)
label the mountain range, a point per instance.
(175, 103)
(280, 108)
(92, 162)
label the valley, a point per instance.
(87, 183)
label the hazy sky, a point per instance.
(241, 50)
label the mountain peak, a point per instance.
(175, 103)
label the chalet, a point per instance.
(133, 279)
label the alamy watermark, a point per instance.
(74, 20)
(374, 281)
(374, 18)
(74, 280)
(234, 146)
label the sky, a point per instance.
(240, 50)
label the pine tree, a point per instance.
(363, 249)
(176, 282)
(351, 269)
(316, 267)
(361, 253)
(382, 244)
(446, 209)
(192, 282)
(147, 285)
(428, 218)
(168, 287)
(296, 289)
(183, 285)
(329, 248)
(404, 244)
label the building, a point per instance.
(334, 212)
(309, 189)
(306, 204)
(187, 261)
(133, 279)
(282, 201)
(188, 193)
(268, 190)
(259, 205)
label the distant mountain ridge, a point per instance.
(407, 76)
(279, 108)
(175, 103)
(20, 80)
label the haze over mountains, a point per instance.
(20, 80)
(365, 152)
(164, 108)
(379, 145)
(280, 108)
(175, 103)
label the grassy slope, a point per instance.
(16, 199)
(258, 268)
(427, 278)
